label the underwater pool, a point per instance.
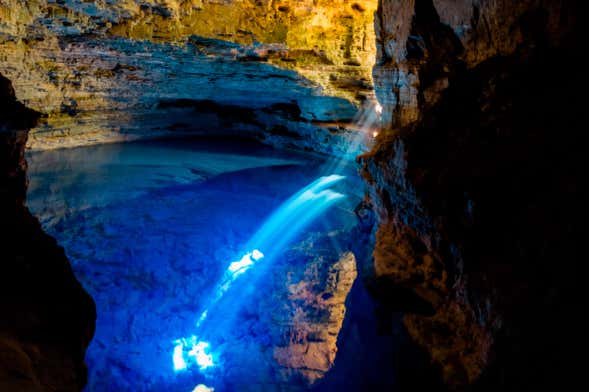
(150, 229)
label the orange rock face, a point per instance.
(311, 340)
(47, 50)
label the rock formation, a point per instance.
(47, 318)
(421, 45)
(311, 340)
(478, 184)
(99, 70)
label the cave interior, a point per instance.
(278, 195)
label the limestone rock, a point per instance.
(99, 69)
(312, 341)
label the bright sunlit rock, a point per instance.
(239, 267)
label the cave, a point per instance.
(276, 195)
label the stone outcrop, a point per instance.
(312, 340)
(47, 318)
(294, 318)
(98, 70)
(478, 185)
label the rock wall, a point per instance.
(478, 185)
(99, 70)
(47, 319)
(331, 42)
(421, 45)
(310, 342)
(337, 35)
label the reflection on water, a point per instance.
(67, 180)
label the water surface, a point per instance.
(149, 228)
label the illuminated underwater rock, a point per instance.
(191, 350)
(192, 347)
(234, 270)
(199, 352)
(239, 267)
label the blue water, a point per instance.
(274, 235)
(150, 229)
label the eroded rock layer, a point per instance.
(422, 44)
(479, 185)
(47, 319)
(100, 69)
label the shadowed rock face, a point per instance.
(47, 319)
(479, 187)
(422, 44)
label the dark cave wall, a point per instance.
(422, 44)
(479, 184)
(46, 317)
